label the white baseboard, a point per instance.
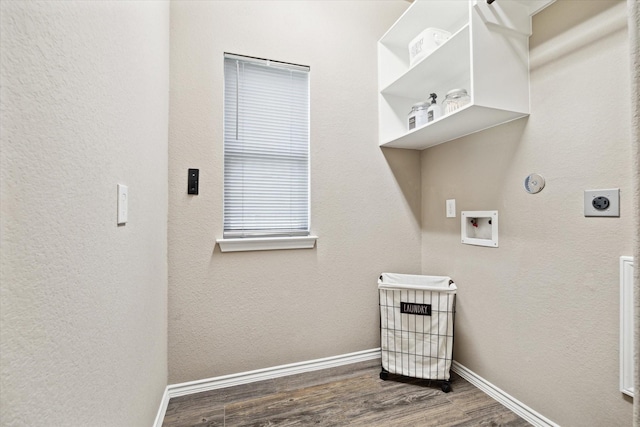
(163, 408)
(510, 402)
(182, 389)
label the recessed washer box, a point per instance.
(480, 228)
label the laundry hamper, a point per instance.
(416, 324)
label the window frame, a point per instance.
(266, 238)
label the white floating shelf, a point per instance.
(487, 54)
(468, 120)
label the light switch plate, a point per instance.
(451, 208)
(192, 187)
(602, 202)
(123, 202)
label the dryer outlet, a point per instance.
(602, 202)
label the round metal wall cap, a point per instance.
(534, 183)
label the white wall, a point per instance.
(539, 316)
(84, 106)
(233, 312)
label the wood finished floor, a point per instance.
(350, 395)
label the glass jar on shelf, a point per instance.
(454, 100)
(418, 115)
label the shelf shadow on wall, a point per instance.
(405, 166)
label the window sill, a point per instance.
(266, 243)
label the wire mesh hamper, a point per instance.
(416, 326)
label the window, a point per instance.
(266, 149)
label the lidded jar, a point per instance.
(418, 115)
(455, 99)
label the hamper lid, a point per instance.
(414, 281)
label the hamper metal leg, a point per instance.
(384, 374)
(446, 386)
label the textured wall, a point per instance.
(633, 8)
(84, 103)
(539, 316)
(233, 312)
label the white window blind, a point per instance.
(266, 148)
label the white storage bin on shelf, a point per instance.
(425, 43)
(487, 54)
(416, 326)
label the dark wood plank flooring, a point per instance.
(350, 395)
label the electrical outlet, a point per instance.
(602, 202)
